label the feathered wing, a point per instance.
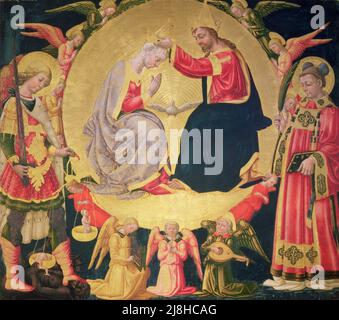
(152, 245)
(7, 81)
(102, 245)
(81, 7)
(247, 238)
(221, 5)
(297, 46)
(124, 5)
(52, 34)
(265, 8)
(193, 249)
(285, 84)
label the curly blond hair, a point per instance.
(27, 72)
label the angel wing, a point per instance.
(52, 34)
(153, 242)
(265, 8)
(7, 81)
(247, 238)
(102, 245)
(124, 5)
(193, 249)
(297, 46)
(221, 5)
(81, 7)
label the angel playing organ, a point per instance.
(124, 279)
(173, 249)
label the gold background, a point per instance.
(123, 37)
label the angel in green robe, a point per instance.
(96, 18)
(221, 247)
(252, 19)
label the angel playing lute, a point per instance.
(221, 247)
(173, 247)
(292, 49)
(124, 279)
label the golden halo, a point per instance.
(49, 263)
(330, 78)
(243, 3)
(274, 36)
(46, 59)
(105, 47)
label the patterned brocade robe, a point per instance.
(306, 230)
(43, 191)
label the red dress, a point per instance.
(133, 101)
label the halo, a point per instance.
(274, 36)
(229, 216)
(81, 236)
(330, 78)
(243, 3)
(47, 60)
(46, 264)
(104, 48)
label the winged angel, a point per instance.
(293, 48)
(252, 19)
(223, 245)
(125, 279)
(96, 18)
(173, 247)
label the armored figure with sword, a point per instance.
(28, 182)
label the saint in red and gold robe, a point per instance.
(306, 230)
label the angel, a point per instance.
(290, 50)
(95, 17)
(125, 279)
(172, 109)
(173, 249)
(223, 244)
(252, 19)
(67, 47)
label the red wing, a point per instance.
(152, 246)
(7, 80)
(52, 34)
(193, 249)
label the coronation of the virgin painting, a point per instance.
(169, 149)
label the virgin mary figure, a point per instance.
(127, 146)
